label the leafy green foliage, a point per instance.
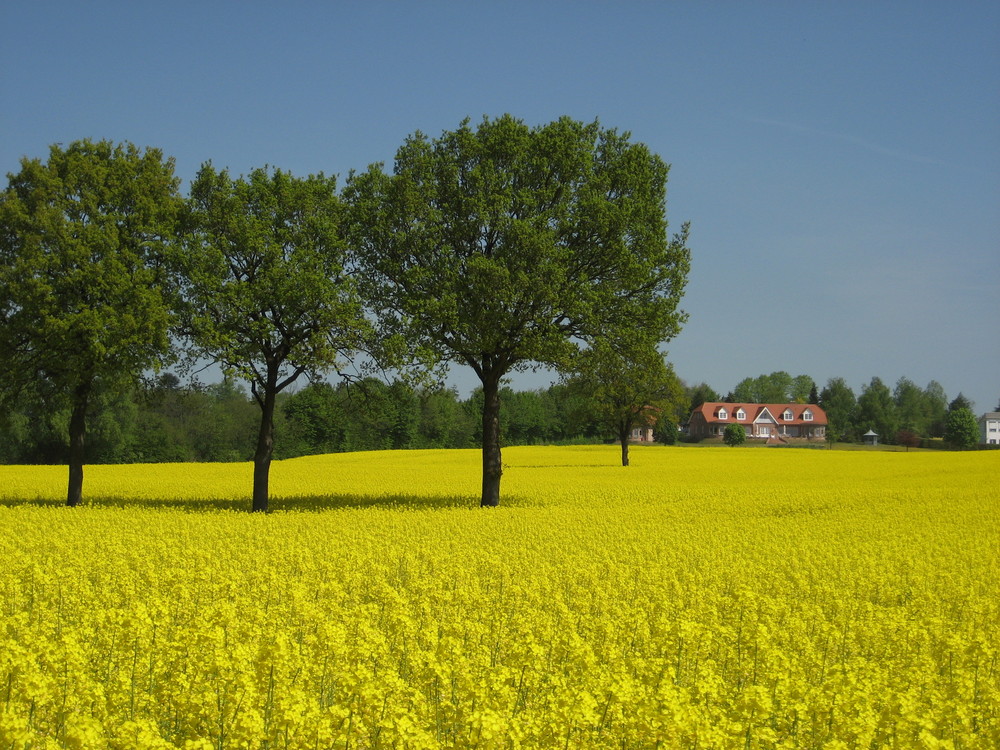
(777, 388)
(83, 307)
(840, 404)
(734, 435)
(629, 387)
(266, 288)
(962, 429)
(266, 291)
(876, 410)
(503, 246)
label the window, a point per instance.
(740, 414)
(807, 415)
(787, 416)
(723, 414)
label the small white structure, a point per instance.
(989, 428)
(641, 435)
(871, 437)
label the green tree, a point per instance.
(937, 406)
(578, 413)
(840, 405)
(524, 417)
(960, 402)
(700, 394)
(748, 390)
(266, 287)
(504, 246)
(82, 303)
(877, 411)
(777, 388)
(802, 389)
(813, 397)
(443, 421)
(631, 387)
(734, 435)
(315, 422)
(912, 407)
(962, 430)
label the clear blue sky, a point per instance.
(839, 162)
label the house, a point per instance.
(773, 422)
(642, 432)
(989, 428)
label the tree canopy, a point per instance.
(630, 388)
(734, 435)
(266, 289)
(876, 410)
(961, 429)
(777, 388)
(504, 246)
(83, 307)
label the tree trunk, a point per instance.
(492, 466)
(623, 435)
(265, 449)
(77, 439)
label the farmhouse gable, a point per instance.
(989, 428)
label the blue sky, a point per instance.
(839, 162)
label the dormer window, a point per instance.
(740, 414)
(723, 414)
(807, 415)
(787, 416)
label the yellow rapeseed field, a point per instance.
(701, 598)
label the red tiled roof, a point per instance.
(710, 412)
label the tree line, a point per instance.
(498, 247)
(166, 420)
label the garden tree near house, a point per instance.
(913, 408)
(505, 246)
(82, 303)
(960, 402)
(266, 289)
(668, 424)
(962, 429)
(840, 404)
(813, 397)
(803, 387)
(876, 410)
(937, 405)
(751, 390)
(777, 388)
(734, 435)
(699, 394)
(632, 386)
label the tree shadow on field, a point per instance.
(298, 503)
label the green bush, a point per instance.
(734, 435)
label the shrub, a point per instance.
(734, 435)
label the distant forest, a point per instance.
(167, 420)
